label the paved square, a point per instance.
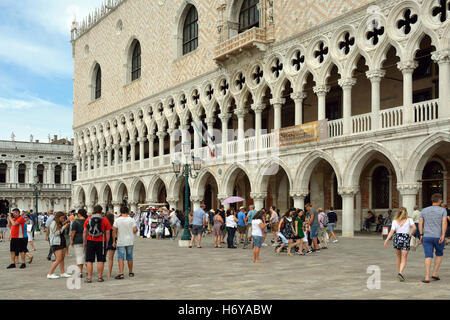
(165, 271)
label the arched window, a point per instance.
(433, 181)
(3, 170)
(249, 15)
(190, 31)
(98, 83)
(380, 188)
(74, 173)
(58, 171)
(21, 173)
(136, 62)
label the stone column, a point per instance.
(116, 206)
(258, 200)
(298, 98)
(133, 151)
(12, 172)
(116, 154)
(197, 142)
(442, 57)
(196, 201)
(348, 211)
(95, 160)
(347, 85)
(408, 194)
(124, 146)
(161, 135)
(210, 129)
(150, 138)
(258, 109)
(375, 79)
(89, 161)
(141, 151)
(407, 69)
(109, 155)
(31, 172)
(240, 113)
(102, 160)
(299, 199)
(171, 133)
(46, 178)
(90, 207)
(132, 206)
(321, 92)
(83, 162)
(277, 104)
(224, 117)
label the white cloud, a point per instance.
(36, 116)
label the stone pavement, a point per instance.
(165, 271)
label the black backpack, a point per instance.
(94, 226)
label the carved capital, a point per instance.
(240, 112)
(408, 188)
(375, 75)
(348, 191)
(277, 102)
(224, 116)
(150, 137)
(258, 107)
(161, 134)
(347, 83)
(196, 199)
(298, 96)
(321, 90)
(407, 66)
(258, 196)
(441, 56)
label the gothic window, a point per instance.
(424, 64)
(249, 15)
(190, 31)
(380, 188)
(98, 82)
(136, 62)
(433, 181)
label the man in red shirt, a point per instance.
(18, 240)
(95, 239)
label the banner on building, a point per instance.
(308, 132)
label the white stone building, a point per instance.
(372, 77)
(21, 162)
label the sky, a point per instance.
(36, 67)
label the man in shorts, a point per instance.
(96, 245)
(197, 225)
(18, 242)
(313, 223)
(124, 230)
(242, 223)
(432, 226)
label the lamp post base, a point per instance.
(184, 243)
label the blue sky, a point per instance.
(36, 66)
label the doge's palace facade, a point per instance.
(343, 104)
(52, 163)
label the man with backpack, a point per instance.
(332, 220)
(95, 239)
(323, 225)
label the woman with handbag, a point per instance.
(403, 227)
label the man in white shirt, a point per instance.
(124, 230)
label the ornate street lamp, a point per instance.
(185, 170)
(37, 187)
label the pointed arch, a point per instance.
(270, 168)
(359, 158)
(306, 167)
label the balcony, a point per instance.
(253, 38)
(29, 187)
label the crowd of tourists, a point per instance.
(97, 236)
(93, 238)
